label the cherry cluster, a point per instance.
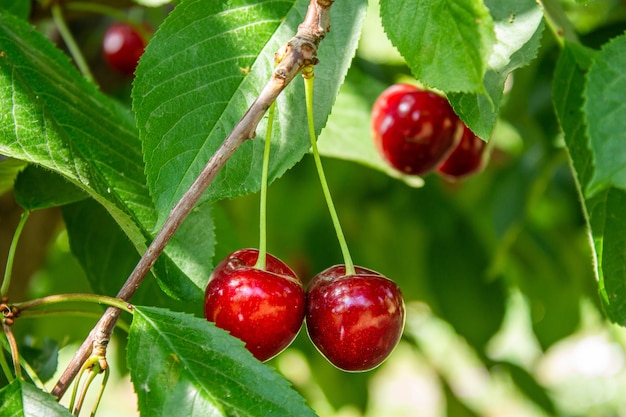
(354, 320)
(416, 131)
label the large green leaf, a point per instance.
(51, 116)
(446, 43)
(202, 70)
(605, 200)
(182, 365)
(21, 399)
(604, 113)
(518, 27)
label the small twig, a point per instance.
(300, 51)
(70, 42)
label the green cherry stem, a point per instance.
(33, 314)
(66, 298)
(70, 42)
(307, 73)
(261, 260)
(6, 281)
(558, 22)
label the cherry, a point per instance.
(413, 129)
(122, 47)
(263, 308)
(355, 321)
(466, 159)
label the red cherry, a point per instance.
(263, 308)
(413, 129)
(122, 47)
(355, 321)
(466, 159)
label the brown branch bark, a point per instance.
(300, 51)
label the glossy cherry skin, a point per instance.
(466, 159)
(414, 130)
(355, 321)
(122, 47)
(263, 308)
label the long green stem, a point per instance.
(66, 298)
(72, 46)
(78, 313)
(558, 22)
(261, 260)
(6, 281)
(308, 88)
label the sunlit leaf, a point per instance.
(454, 59)
(518, 27)
(604, 200)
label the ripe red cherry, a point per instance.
(466, 159)
(355, 321)
(413, 129)
(122, 47)
(263, 308)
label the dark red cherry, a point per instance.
(122, 47)
(355, 321)
(414, 130)
(466, 159)
(263, 308)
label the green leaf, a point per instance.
(51, 116)
(446, 43)
(607, 229)
(21, 399)
(348, 134)
(518, 27)
(604, 114)
(568, 89)
(182, 365)
(202, 70)
(38, 188)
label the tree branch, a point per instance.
(300, 51)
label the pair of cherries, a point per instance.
(416, 131)
(354, 320)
